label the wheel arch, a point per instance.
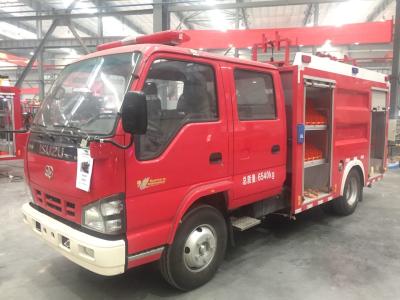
(353, 164)
(216, 195)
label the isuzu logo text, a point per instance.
(49, 171)
(50, 150)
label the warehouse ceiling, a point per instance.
(20, 19)
(352, 11)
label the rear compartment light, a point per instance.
(306, 59)
(170, 37)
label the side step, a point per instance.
(244, 223)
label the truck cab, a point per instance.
(151, 152)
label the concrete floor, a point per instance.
(316, 257)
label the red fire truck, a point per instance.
(11, 144)
(144, 151)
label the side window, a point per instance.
(255, 95)
(177, 93)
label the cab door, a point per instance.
(185, 146)
(259, 134)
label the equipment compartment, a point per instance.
(6, 123)
(318, 100)
(378, 132)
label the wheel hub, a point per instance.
(200, 248)
(352, 191)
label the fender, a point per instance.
(192, 196)
(352, 163)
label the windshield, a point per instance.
(87, 95)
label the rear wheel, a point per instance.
(198, 249)
(352, 193)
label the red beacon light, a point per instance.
(170, 37)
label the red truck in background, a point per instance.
(144, 151)
(11, 119)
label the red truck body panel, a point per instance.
(351, 127)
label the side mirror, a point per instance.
(134, 113)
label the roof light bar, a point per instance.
(170, 37)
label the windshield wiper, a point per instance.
(43, 132)
(65, 126)
(100, 116)
(72, 129)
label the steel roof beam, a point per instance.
(178, 7)
(35, 54)
(77, 15)
(76, 35)
(22, 25)
(183, 20)
(161, 16)
(378, 9)
(38, 53)
(307, 14)
(125, 20)
(56, 43)
(35, 4)
(244, 16)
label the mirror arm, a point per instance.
(114, 143)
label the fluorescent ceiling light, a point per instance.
(86, 7)
(351, 11)
(329, 49)
(114, 27)
(326, 47)
(217, 17)
(15, 32)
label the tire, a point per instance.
(352, 194)
(327, 208)
(198, 249)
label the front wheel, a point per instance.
(198, 249)
(352, 193)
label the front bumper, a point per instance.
(98, 255)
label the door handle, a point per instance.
(216, 158)
(275, 149)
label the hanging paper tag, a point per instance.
(84, 143)
(84, 169)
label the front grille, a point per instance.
(56, 205)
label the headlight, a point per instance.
(106, 215)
